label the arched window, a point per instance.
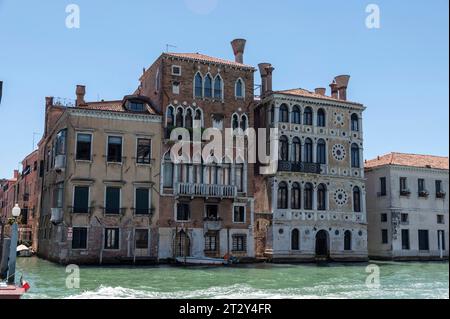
(322, 197)
(296, 115)
(218, 87)
(239, 88)
(170, 116)
(244, 122)
(321, 152)
(284, 114)
(356, 199)
(355, 123)
(308, 116)
(179, 119)
(282, 196)
(356, 163)
(198, 85)
(348, 240)
(208, 86)
(296, 150)
(308, 150)
(188, 119)
(308, 201)
(321, 119)
(295, 194)
(284, 148)
(295, 240)
(168, 171)
(235, 122)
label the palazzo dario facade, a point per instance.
(206, 206)
(315, 201)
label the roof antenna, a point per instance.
(168, 46)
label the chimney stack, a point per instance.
(16, 174)
(266, 71)
(238, 49)
(81, 92)
(334, 90)
(342, 84)
(321, 91)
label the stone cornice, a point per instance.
(317, 101)
(148, 118)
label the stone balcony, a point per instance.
(303, 215)
(299, 167)
(206, 190)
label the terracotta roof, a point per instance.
(111, 106)
(306, 93)
(413, 160)
(209, 59)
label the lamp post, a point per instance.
(13, 248)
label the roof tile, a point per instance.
(306, 93)
(412, 160)
(206, 58)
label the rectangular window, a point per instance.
(211, 242)
(114, 149)
(84, 145)
(142, 201)
(61, 142)
(384, 218)
(440, 219)
(141, 236)
(405, 239)
(212, 212)
(176, 70)
(112, 238)
(421, 188)
(404, 218)
(136, 106)
(183, 212)
(239, 243)
(176, 87)
(81, 200)
(384, 236)
(112, 201)
(79, 238)
(144, 151)
(424, 243)
(383, 186)
(438, 187)
(441, 239)
(58, 194)
(239, 178)
(239, 214)
(403, 183)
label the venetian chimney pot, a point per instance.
(81, 92)
(334, 90)
(321, 91)
(238, 49)
(342, 84)
(266, 70)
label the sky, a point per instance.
(399, 71)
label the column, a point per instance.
(276, 115)
(363, 205)
(314, 151)
(245, 178)
(175, 177)
(289, 195)
(274, 195)
(314, 204)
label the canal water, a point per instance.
(397, 280)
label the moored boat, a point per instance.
(201, 261)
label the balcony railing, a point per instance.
(206, 190)
(424, 193)
(405, 192)
(440, 194)
(299, 167)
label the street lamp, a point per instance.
(13, 247)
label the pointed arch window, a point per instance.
(284, 148)
(218, 88)
(356, 162)
(355, 123)
(308, 116)
(239, 88)
(296, 201)
(308, 150)
(179, 118)
(170, 116)
(321, 119)
(296, 150)
(284, 114)
(282, 196)
(308, 196)
(235, 122)
(198, 84)
(296, 115)
(208, 86)
(322, 197)
(321, 152)
(244, 122)
(295, 240)
(188, 119)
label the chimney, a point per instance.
(81, 92)
(342, 84)
(334, 90)
(266, 71)
(321, 91)
(16, 174)
(49, 101)
(238, 49)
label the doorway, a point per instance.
(322, 244)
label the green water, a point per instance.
(397, 280)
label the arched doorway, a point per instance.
(322, 244)
(182, 245)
